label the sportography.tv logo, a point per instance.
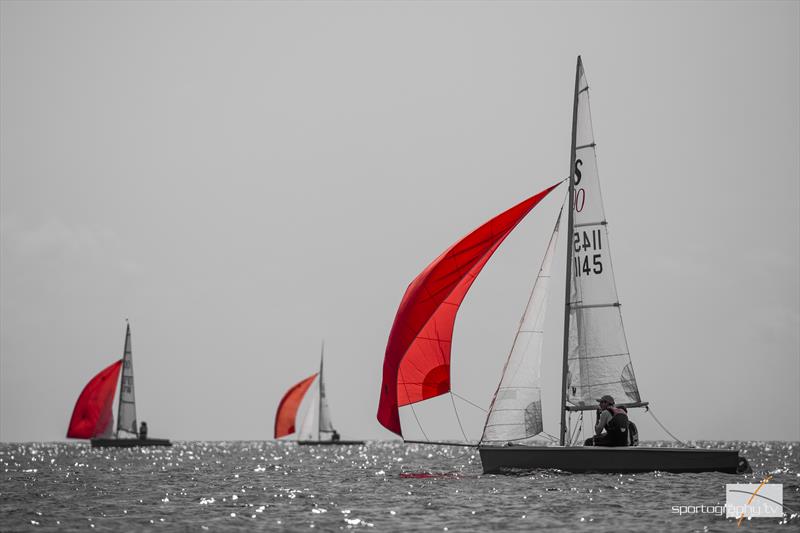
(743, 500)
(750, 500)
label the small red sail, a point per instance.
(287, 409)
(417, 361)
(92, 414)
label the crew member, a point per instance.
(612, 425)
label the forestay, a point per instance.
(515, 414)
(597, 353)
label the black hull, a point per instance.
(128, 443)
(330, 442)
(497, 459)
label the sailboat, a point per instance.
(596, 359)
(92, 417)
(316, 427)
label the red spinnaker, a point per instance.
(287, 409)
(417, 361)
(92, 414)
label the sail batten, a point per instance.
(417, 361)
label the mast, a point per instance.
(570, 231)
(321, 392)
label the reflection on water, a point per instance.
(381, 485)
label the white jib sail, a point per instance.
(598, 358)
(308, 428)
(126, 417)
(325, 424)
(516, 410)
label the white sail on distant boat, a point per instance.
(316, 426)
(126, 413)
(596, 359)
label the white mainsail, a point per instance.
(325, 424)
(597, 351)
(126, 416)
(317, 418)
(516, 410)
(309, 428)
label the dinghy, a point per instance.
(316, 427)
(596, 359)
(92, 417)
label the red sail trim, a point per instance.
(287, 409)
(417, 361)
(92, 414)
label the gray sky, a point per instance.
(242, 180)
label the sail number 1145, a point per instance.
(585, 262)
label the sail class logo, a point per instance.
(753, 500)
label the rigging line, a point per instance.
(679, 441)
(418, 422)
(575, 434)
(551, 437)
(458, 417)
(405, 386)
(579, 428)
(469, 402)
(573, 427)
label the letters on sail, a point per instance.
(598, 357)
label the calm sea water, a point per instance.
(252, 486)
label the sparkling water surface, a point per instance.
(267, 486)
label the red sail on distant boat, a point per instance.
(92, 415)
(417, 361)
(287, 409)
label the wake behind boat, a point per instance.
(316, 427)
(596, 359)
(92, 417)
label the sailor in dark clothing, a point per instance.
(143, 431)
(335, 437)
(612, 425)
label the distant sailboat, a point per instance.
(316, 427)
(596, 360)
(92, 416)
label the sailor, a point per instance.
(612, 420)
(143, 430)
(335, 437)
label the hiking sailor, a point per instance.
(612, 420)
